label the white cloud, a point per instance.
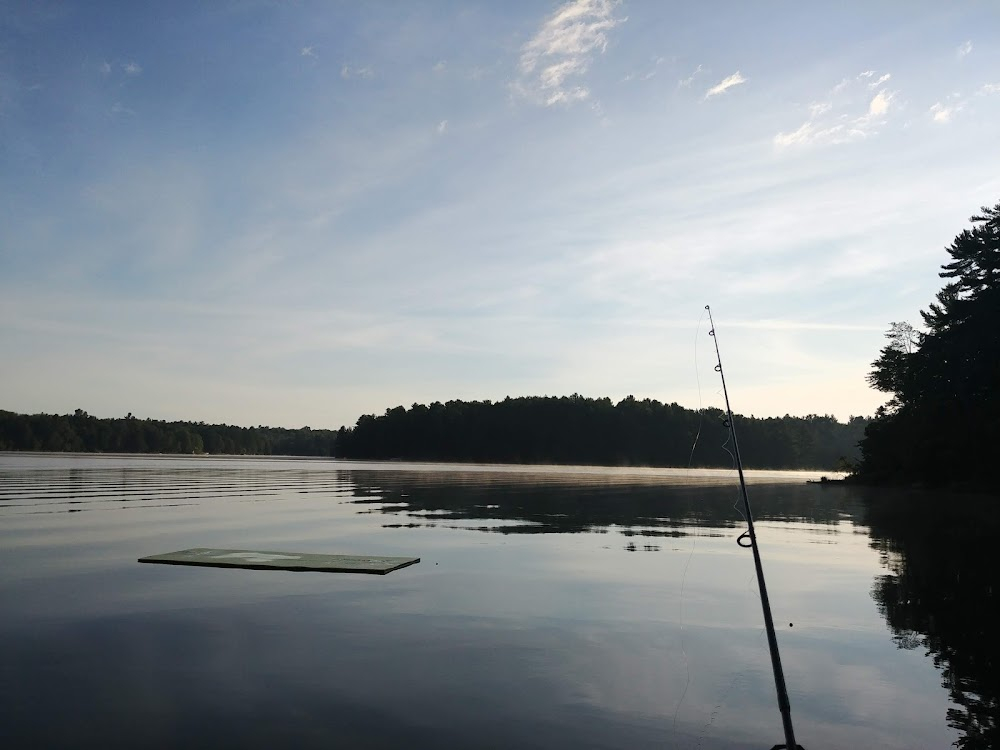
(990, 88)
(440, 66)
(567, 96)
(347, 72)
(944, 111)
(963, 49)
(840, 86)
(804, 134)
(120, 109)
(685, 82)
(553, 76)
(879, 105)
(818, 108)
(105, 68)
(442, 127)
(563, 48)
(837, 119)
(132, 68)
(725, 84)
(308, 51)
(840, 132)
(941, 113)
(880, 81)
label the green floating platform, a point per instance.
(255, 560)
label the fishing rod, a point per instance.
(772, 639)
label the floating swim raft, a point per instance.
(258, 560)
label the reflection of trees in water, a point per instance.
(941, 587)
(510, 503)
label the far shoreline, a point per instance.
(711, 472)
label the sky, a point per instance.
(295, 213)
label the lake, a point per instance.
(553, 607)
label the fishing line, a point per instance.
(694, 535)
(735, 465)
(694, 543)
(736, 506)
(748, 539)
(697, 378)
(737, 676)
(739, 510)
(718, 708)
(737, 502)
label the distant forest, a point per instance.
(565, 430)
(941, 425)
(579, 430)
(81, 432)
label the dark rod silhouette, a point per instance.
(772, 639)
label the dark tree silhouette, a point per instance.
(940, 425)
(578, 430)
(81, 432)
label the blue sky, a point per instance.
(295, 213)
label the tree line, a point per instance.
(84, 433)
(540, 429)
(579, 430)
(942, 422)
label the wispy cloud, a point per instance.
(818, 108)
(963, 49)
(562, 49)
(725, 84)
(120, 109)
(942, 113)
(105, 68)
(309, 51)
(132, 68)
(836, 118)
(686, 82)
(875, 84)
(442, 127)
(440, 66)
(650, 73)
(347, 72)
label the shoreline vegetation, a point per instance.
(941, 425)
(82, 433)
(525, 430)
(588, 431)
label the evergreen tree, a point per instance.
(940, 424)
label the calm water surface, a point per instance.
(553, 608)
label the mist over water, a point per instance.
(553, 607)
